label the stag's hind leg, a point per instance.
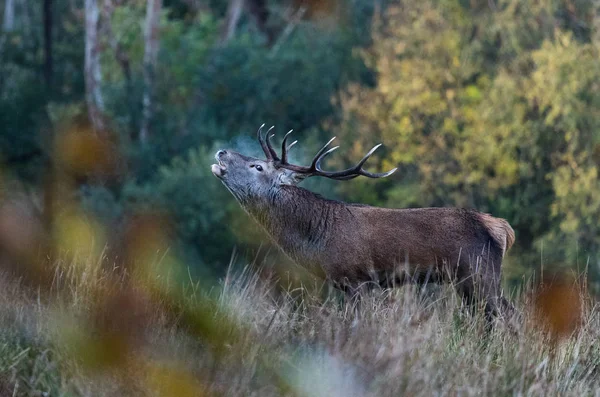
(476, 296)
(477, 281)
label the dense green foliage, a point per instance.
(492, 110)
(485, 104)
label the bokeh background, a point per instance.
(489, 104)
(126, 268)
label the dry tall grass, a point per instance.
(96, 332)
(79, 320)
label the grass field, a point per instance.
(95, 331)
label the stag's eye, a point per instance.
(258, 168)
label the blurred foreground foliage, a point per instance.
(485, 104)
(109, 241)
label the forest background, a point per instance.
(493, 105)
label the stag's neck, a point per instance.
(299, 221)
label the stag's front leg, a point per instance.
(353, 297)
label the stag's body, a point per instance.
(352, 244)
(355, 245)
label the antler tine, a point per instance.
(284, 148)
(290, 145)
(321, 153)
(318, 164)
(272, 151)
(366, 157)
(263, 144)
(357, 170)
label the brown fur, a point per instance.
(500, 230)
(353, 244)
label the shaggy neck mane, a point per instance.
(298, 220)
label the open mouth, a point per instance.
(219, 170)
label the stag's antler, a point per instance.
(315, 167)
(266, 144)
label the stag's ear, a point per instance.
(287, 177)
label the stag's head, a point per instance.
(249, 177)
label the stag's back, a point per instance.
(382, 238)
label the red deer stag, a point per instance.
(352, 244)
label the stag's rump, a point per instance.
(426, 238)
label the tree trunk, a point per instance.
(48, 63)
(8, 24)
(260, 12)
(93, 74)
(234, 12)
(295, 20)
(151, 44)
(120, 54)
(26, 12)
(123, 59)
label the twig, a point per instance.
(288, 31)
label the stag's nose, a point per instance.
(221, 153)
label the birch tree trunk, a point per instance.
(151, 46)
(48, 61)
(93, 72)
(8, 23)
(26, 11)
(234, 12)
